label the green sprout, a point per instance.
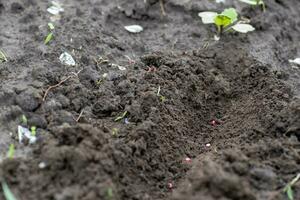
(255, 3)
(2, 57)
(7, 192)
(161, 97)
(99, 81)
(48, 38)
(24, 120)
(50, 34)
(227, 17)
(51, 26)
(288, 188)
(114, 131)
(109, 193)
(121, 116)
(225, 21)
(33, 130)
(11, 151)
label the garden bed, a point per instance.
(167, 113)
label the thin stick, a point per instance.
(80, 115)
(162, 8)
(60, 83)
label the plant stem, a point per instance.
(162, 8)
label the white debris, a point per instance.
(208, 17)
(42, 165)
(55, 18)
(208, 145)
(134, 28)
(55, 9)
(118, 66)
(295, 61)
(121, 68)
(105, 75)
(66, 59)
(216, 37)
(25, 133)
(243, 28)
(220, 1)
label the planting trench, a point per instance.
(232, 108)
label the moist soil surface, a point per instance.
(201, 119)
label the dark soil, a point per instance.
(231, 106)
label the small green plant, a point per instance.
(24, 120)
(50, 34)
(161, 97)
(114, 132)
(121, 116)
(255, 3)
(109, 193)
(7, 192)
(48, 38)
(288, 188)
(11, 151)
(2, 57)
(226, 21)
(33, 130)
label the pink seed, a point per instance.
(213, 122)
(207, 145)
(170, 185)
(187, 159)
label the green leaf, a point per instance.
(295, 179)
(7, 193)
(162, 98)
(24, 120)
(2, 57)
(33, 130)
(289, 193)
(231, 14)
(51, 26)
(222, 21)
(48, 38)
(121, 117)
(11, 151)
(114, 131)
(110, 193)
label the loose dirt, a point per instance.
(204, 119)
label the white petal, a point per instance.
(243, 28)
(67, 59)
(208, 17)
(134, 28)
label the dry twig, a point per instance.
(60, 83)
(80, 115)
